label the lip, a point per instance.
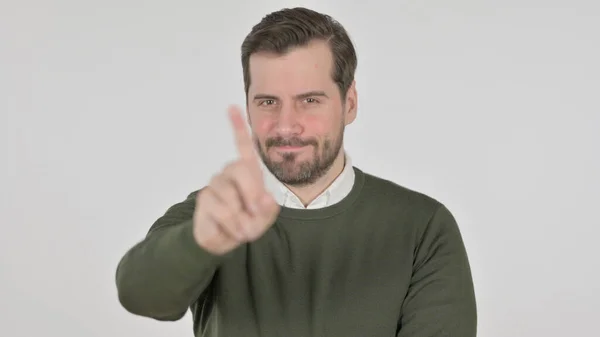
(289, 148)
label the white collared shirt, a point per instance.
(336, 191)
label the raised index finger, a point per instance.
(243, 139)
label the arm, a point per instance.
(161, 276)
(441, 299)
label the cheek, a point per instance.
(318, 126)
(262, 127)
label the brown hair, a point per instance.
(285, 29)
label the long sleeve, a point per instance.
(161, 276)
(441, 299)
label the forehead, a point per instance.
(302, 68)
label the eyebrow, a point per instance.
(299, 96)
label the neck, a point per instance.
(308, 193)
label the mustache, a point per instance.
(280, 141)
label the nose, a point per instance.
(288, 122)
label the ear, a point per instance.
(351, 104)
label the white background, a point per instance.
(111, 111)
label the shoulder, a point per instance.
(388, 192)
(412, 209)
(177, 213)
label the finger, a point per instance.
(217, 236)
(263, 220)
(248, 186)
(269, 208)
(226, 191)
(224, 217)
(246, 221)
(243, 139)
(244, 143)
(228, 195)
(212, 234)
(228, 224)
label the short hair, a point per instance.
(283, 30)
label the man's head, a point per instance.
(299, 70)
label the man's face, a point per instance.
(296, 112)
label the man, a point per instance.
(292, 240)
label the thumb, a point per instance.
(269, 206)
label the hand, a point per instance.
(235, 207)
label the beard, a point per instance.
(290, 171)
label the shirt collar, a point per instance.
(336, 191)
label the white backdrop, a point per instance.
(111, 111)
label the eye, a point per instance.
(267, 102)
(311, 100)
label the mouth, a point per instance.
(288, 148)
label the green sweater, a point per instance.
(385, 261)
